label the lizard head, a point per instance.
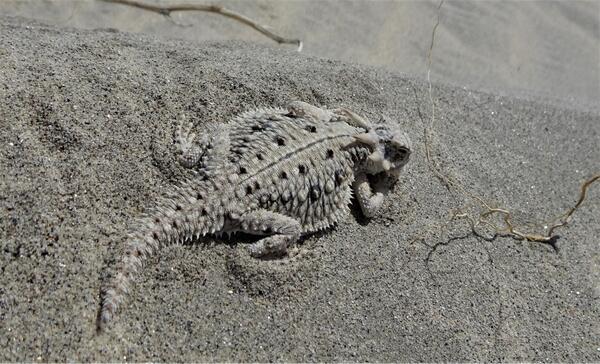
(391, 148)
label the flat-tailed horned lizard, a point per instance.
(278, 173)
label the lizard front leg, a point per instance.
(303, 109)
(306, 110)
(350, 118)
(369, 202)
(282, 230)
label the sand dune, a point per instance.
(525, 48)
(87, 119)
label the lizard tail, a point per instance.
(137, 249)
(171, 224)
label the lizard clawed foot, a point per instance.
(272, 245)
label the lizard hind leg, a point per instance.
(190, 147)
(282, 230)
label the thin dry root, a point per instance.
(167, 10)
(509, 228)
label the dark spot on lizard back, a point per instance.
(311, 128)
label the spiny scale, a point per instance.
(299, 164)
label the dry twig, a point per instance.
(509, 229)
(167, 10)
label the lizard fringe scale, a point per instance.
(277, 172)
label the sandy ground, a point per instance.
(86, 145)
(545, 48)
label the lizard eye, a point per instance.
(402, 154)
(395, 154)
